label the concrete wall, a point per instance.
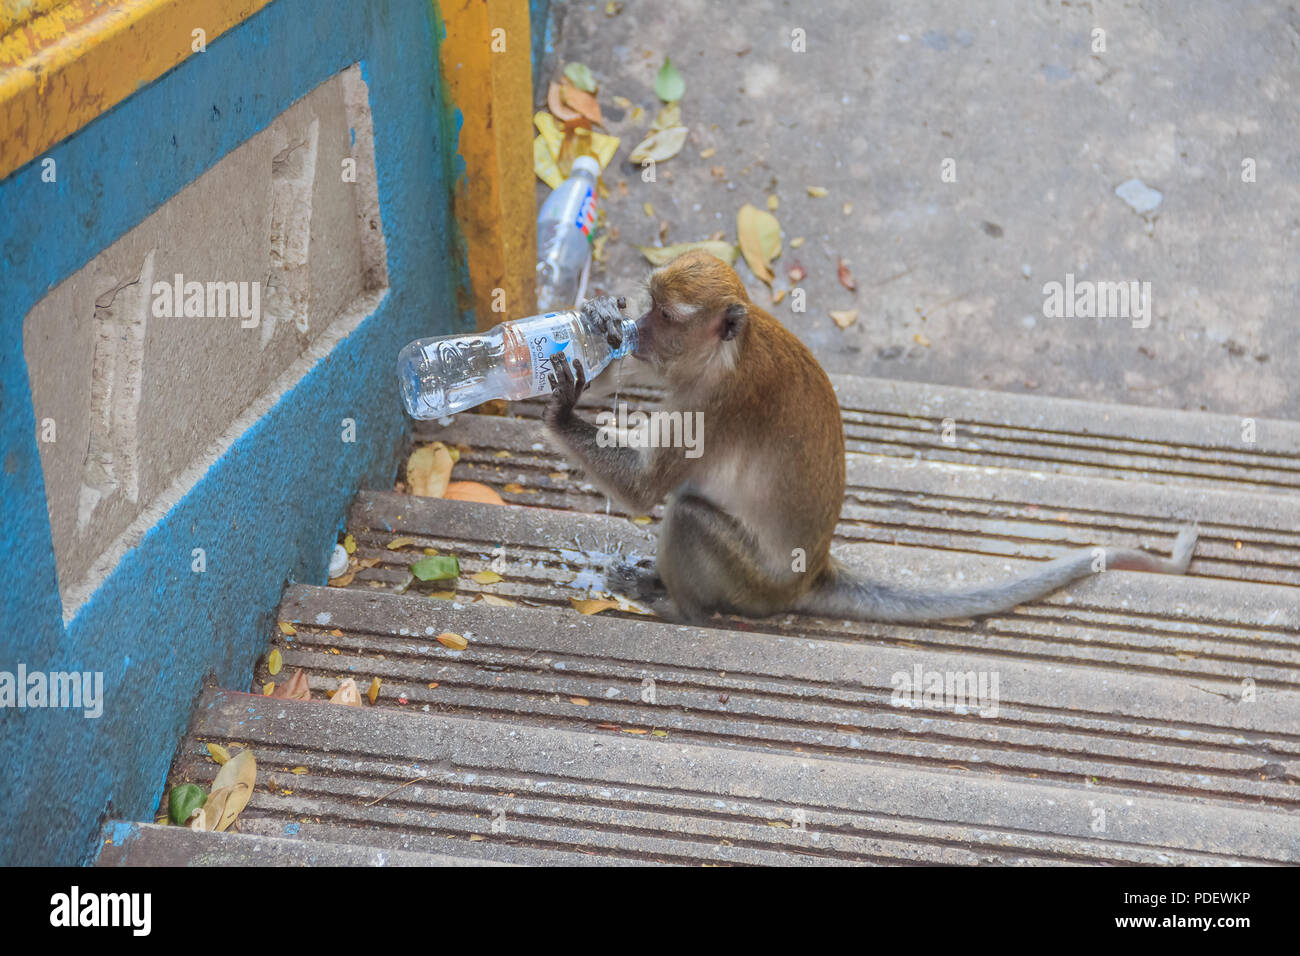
(163, 477)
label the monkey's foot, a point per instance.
(638, 583)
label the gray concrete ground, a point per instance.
(1041, 131)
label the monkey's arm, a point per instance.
(638, 477)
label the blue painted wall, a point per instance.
(539, 21)
(267, 512)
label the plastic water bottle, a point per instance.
(450, 373)
(565, 229)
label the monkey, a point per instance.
(770, 482)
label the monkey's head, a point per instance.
(696, 321)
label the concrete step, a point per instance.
(149, 845)
(894, 418)
(1103, 730)
(642, 799)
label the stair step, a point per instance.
(647, 799)
(1208, 628)
(1247, 535)
(896, 418)
(550, 667)
(149, 844)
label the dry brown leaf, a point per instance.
(592, 605)
(565, 114)
(472, 491)
(368, 562)
(295, 688)
(231, 790)
(580, 101)
(348, 694)
(845, 276)
(453, 641)
(760, 240)
(343, 580)
(428, 470)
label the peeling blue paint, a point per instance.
(269, 509)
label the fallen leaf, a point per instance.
(777, 296)
(709, 153)
(662, 255)
(659, 733)
(603, 147)
(443, 595)
(551, 130)
(347, 694)
(544, 164)
(184, 801)
(493, 600)
(298, 770)
(760, 240)
(659, 146)
(848, 208)
(343, 580)
(669, 85)
(398, 543)
(296, 688)
(565, 114)
(592, 605)
(274, 661)
(845, 276)
(373, 693)
(796, 243)
(437, 567)
(268, 688)
(486, 577)
(642, 519)
(336, 633)
(668, 117)
(582, 102)
(817, 192)
(515, 488)
(349, 544)
(580, 701)
(773, 203)
(580, 75)
(453, 641)
(844, 318)
(635, 730)
(503, 453)
(428, 470)
(920, 339)
(472, 491)
(287, 628)
(231, 790)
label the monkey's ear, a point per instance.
(733, 320)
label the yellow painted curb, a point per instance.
(73, 61)
(487, 66)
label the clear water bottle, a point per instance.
(450, 373)
(565, 229)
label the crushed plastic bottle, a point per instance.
(450, 373)
(565, 229)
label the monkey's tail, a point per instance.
(844, 595)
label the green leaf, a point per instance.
(183, 801)
(669, 85)
(580, 75)
(437, 567)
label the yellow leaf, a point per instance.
(342, 580)
(287, 628)
(551, 130)
(234, 782)
(299, 770)
(275, 661)
(444, 595)
(580, 701)
(920, 339)
(635, 730)
(336, 632)
(544, 164)
(476, 837)
(368, 563)
(472, 491)
(665, 144)
(592, 605)
(659, 733)
(649, 211)
(669, 116)
(502, 454)
(453, 641)
(373, 692)
(760, 240)
(493, 600)
(817, 192)
(486, 577)
(219, 753)
(428, 470)
(349, 544)
(268, 688)
(642, 519)
(603, 147)
(848, 208)
(773, 202)
(708, 153)
(844, 318)
(796, 243)
(514, 488)
(662, 255)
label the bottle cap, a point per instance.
(587, 163)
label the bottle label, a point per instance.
(586, 221)
(544, 346)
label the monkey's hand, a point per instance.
(605, 314)
(567, 386)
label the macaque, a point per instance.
(748, 523)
